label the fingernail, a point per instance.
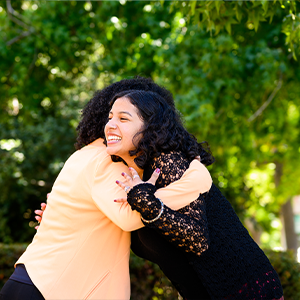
(157, 170)
(117, 182)
(123, 173)
(115, 200)
(130, 168)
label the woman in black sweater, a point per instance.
(203, 248)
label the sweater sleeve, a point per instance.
(104, 190)
(185, 228)
(183, 191)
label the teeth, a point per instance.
(113, 138)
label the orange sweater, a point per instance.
(81, 249)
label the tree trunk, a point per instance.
(289, 226)
(287, 214)
(255, 231)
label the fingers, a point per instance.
(120, 200)
(130, 180)
(39, 212)
(123, 186)
(39, 219)
(134, 173)
(154, 177)
(135, 176)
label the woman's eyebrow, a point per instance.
(125, 112)
(121, 112)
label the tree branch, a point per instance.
(264, 106)
(11, 13)
(17, 38)
(10, 8)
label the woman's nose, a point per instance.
(111, 124)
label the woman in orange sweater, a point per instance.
(81, 249)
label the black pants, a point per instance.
(14, 290)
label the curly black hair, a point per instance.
(162, 131)
(95, 114)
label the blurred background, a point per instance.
(233, 70)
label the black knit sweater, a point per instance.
(203, 248)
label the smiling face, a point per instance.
(120, 131)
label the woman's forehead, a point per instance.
(123, 104)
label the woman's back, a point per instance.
(232, 267)
(74, 231)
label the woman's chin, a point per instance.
(110, 151)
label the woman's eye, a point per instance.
(124, 119)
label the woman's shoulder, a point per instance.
(172, 166)
(170, 158)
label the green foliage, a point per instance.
(288, 270)
(149, 282)
(220, 59)
(9, 254)
(216, 16)
(220, 85)
(29, 163)
(38, 110)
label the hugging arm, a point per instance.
(185, 228)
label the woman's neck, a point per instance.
(132, 164)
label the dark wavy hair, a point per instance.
(95, 113)
(163, 130)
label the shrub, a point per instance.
(148, 282)
(9, 254)
(288, 270)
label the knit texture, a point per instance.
(218, 248)
(185, 228)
